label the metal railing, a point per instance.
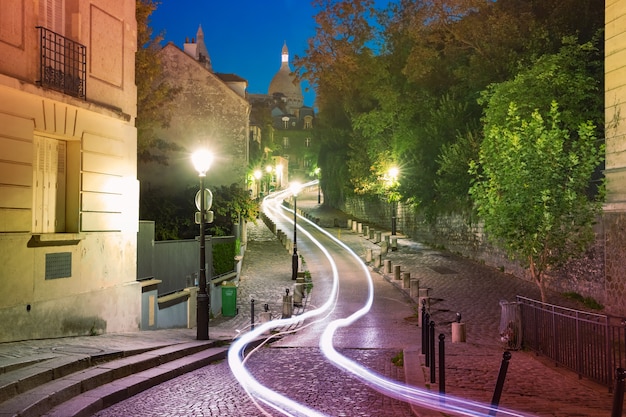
(592, 345)
(63, 63)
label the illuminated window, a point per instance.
(307, 142)
(285, 142)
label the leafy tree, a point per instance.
(531, 181)
(154, 94)
(173, 214)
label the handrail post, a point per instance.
(442, 364)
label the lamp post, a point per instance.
(202, 161)
(393, 175)
(319, 195)
(295, 187)
(268, 169)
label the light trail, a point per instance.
(386, 386)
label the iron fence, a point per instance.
(592, 345)
(62, 63)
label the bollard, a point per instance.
(387, 266)
(287, 305)
(384, 248)
(406, 280)
(265, 317)
(458, 332)
(298, 294)
(372, 234)
(396, 272)
(377, 235)
(424, 292)
(354, 226)
(442, 364)
(394, 244)
(359, 228)
(414, 288)
(252, 314)
(504, 366)
(368, 255)
(387, 239)
(618, 395)
(378, 260)
(349, 223)
(431, 355)
(366, 231)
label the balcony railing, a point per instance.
(63, 63)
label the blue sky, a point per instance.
(243, 37)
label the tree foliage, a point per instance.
(154, 94)
(173, 214)
(531, 185)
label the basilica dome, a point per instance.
(284, 83)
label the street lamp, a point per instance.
(295, 187)
(317, 174)
(202, 161)
(393, 175)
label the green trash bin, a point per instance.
(229, 300)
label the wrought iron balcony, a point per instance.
(63, 63)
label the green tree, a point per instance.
(154, 94)
(531, 187)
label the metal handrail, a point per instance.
(592, 345)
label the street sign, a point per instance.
(208, 199)
(208, 217)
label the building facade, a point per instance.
(615, 122)
(286, 125)
(68, 180)
(210, 111)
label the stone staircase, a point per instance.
(80, 383)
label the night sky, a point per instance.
(243, 37)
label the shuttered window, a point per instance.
(49, 188)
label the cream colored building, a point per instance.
(68, 170)
(615, 120)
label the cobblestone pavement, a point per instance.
(213, 391)
(533, 385)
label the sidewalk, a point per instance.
(533, 386)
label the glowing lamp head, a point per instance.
(393, 173)
(202, 160)
(295, 188)
(258, 174)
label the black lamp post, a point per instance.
(393, 176)
(202, 161)
(295, 187)
(319, 195)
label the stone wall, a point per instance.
(465, 236)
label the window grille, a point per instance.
(63, 63)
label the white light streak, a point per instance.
(391, 388)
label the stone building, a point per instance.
(210, 111)
(615, 122)
(287, 132)
(68, 180)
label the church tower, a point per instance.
(198, 49)
(285, 83)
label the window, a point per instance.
(307, 142)
(285, 142)
(51, 195)
(51, 15)
(308, 122)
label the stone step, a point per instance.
(68, 379)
